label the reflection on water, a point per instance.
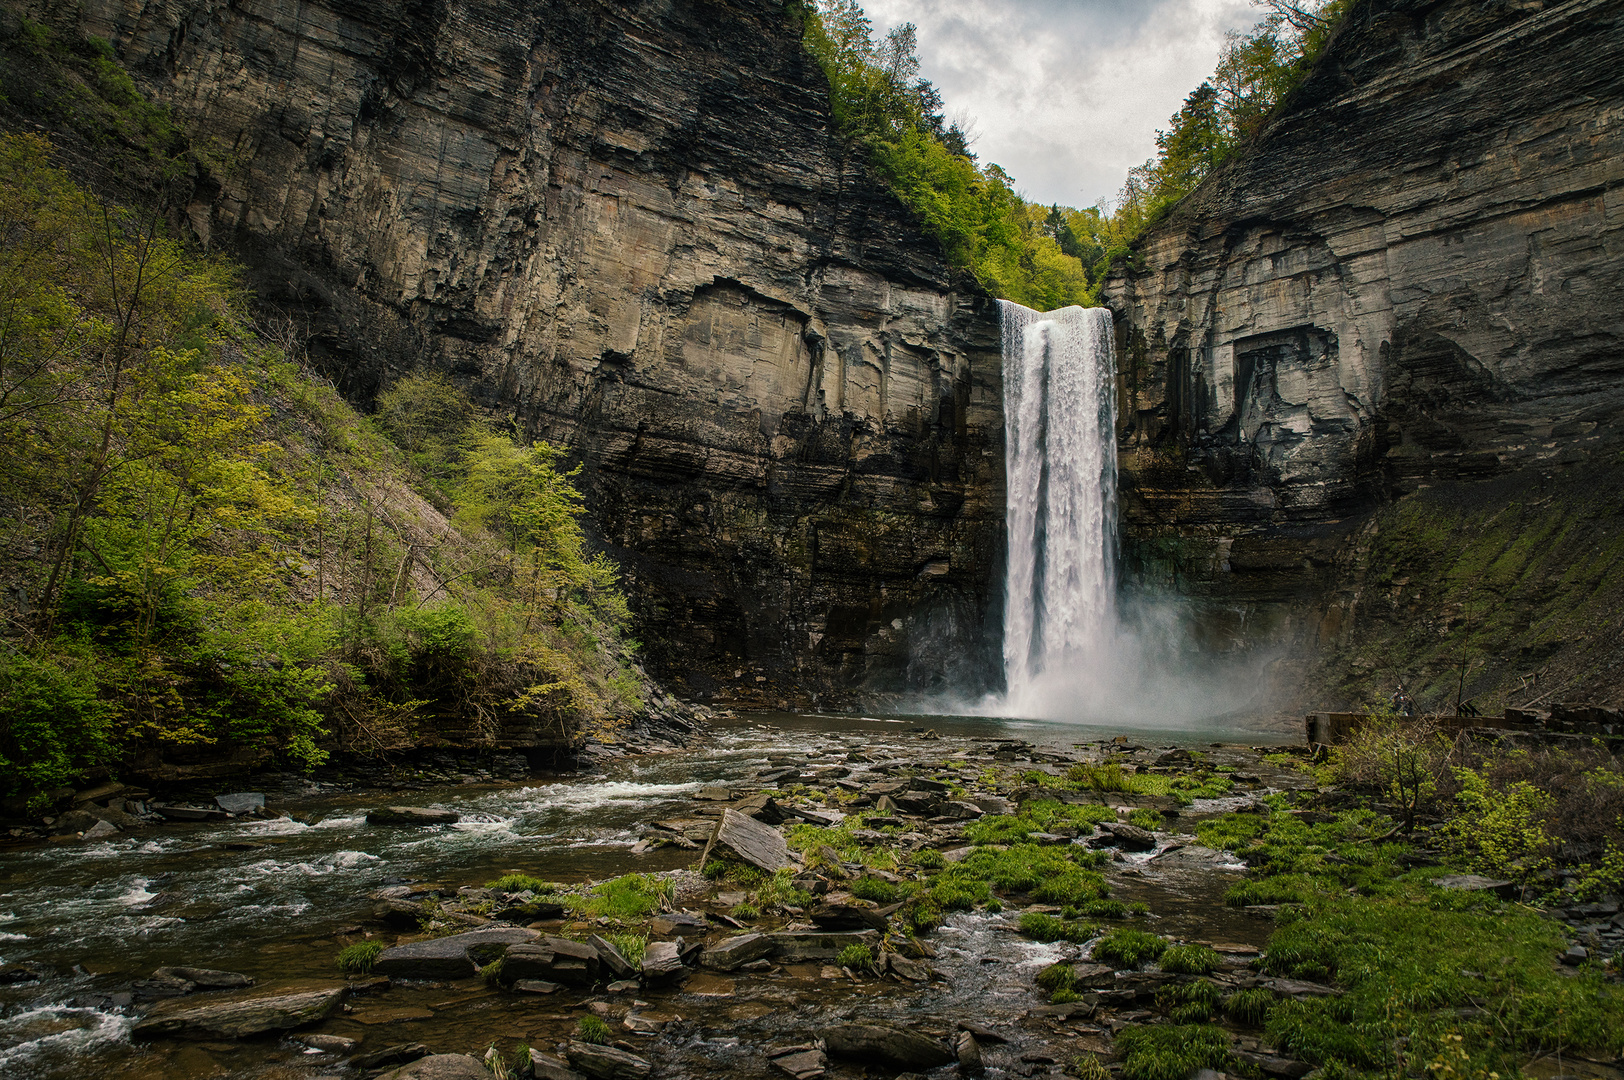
(268, 897)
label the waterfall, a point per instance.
(1060, 618)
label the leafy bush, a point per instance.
(517, 883)
(1250, 1008)
(358, 959)
(629, 898)
(855, 957)
(593, 1029)
(1191, 960)
(1171, 1052)
(1129, 948)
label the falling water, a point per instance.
(1060, 593)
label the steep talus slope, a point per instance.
(1373, 371)
(627, 226)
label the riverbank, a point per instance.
(1038, 902)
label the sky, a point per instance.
(1066, 95)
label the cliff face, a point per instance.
(627, 226)
(1373, 373)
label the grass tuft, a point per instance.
(1191, 960)
(358, 959)
(1129, 948)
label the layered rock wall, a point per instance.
(1413, 283)
(628, 227)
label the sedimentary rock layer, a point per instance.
(1414, 279)
(628, 227)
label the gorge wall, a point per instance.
(1372, 372)
(628, 227)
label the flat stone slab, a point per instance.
(553, 960)
(411, 815)
(737, 951)
(440, 1067)
(205, 978)
(895, 1046)
(742, 837)
(459, 956)
(240, 1018)
(817, 944)
(606, 1062)
(1476, 883)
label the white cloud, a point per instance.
(1067, 95)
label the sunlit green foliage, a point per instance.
(1129, 948)
(885, 109)
(1171, 1052)
(358, 959)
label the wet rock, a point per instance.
(441, 1067)
(399, 1054)
(205, 978)
(1128, 837)
(1094, 976)
(678, 922)
(13, 974)
(959, 810)
(530, 911)
(238, 1019)
(74, 821)
(241, 802)
(795, 945)
(1175, 757)
(848, 917)
(1298, 989)
(1270, 1065)
(1477, 883)
(763, 807)
(164, 986)
(803, 1064)
(547, 1067)
(412, 815)
(662, 962)
(982, 1032)
(542, 986)
(191, 813)
(399, 914)
(745, 838)
(330, 1044)
(968, 1052)
(735, 952)
(606, 1062)
(1576, 955)
(101, 830)
(895, 1046)
(1064, 1012)
(714, 793)
(904, 968)
(554, 960)
(610, 959)
(459, 956)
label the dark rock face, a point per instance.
(627, 227)
(1394, 318)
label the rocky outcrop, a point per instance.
(1358, 361)
(628, 228)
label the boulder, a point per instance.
(993, 804)
(895, 1046)
(904, 968)
(241, 802)
(205, 978)
(399, 914)
(969, 1054)
(74, 821)
(552, 959)
(440, 1067)
(606, 1062)
(239, 1018)
(678, 922)
(531, 911)
(714, 793)
(793, 945)
(736, 952)
(848, 917)
(101, 830)
(1270, 1065)
(412, 815)
(459, 956)
(330, 1044)
(1125, 836)
(959, 810)
(740, 837)
(662, 962)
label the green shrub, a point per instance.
(1129, 948)
(919, 916)
(928, 859)
(855, 957)
(1061, 976)
(358, 959)
(1250, 1008)
(1047, 928)
(629, 898)
(593, 1029)
(1190, 1003)
(1171, 1052)
(876, 889)
(1102, 909)
(1191, 960)
(960, 895)
(517, 883)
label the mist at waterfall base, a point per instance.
(1078, 647)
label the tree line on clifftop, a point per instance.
(1046, 257)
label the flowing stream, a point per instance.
(1060, 616)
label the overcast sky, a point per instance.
(1067, 95)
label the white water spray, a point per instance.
(1060, 421)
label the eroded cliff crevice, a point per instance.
(1399, 310)
(629, 228)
